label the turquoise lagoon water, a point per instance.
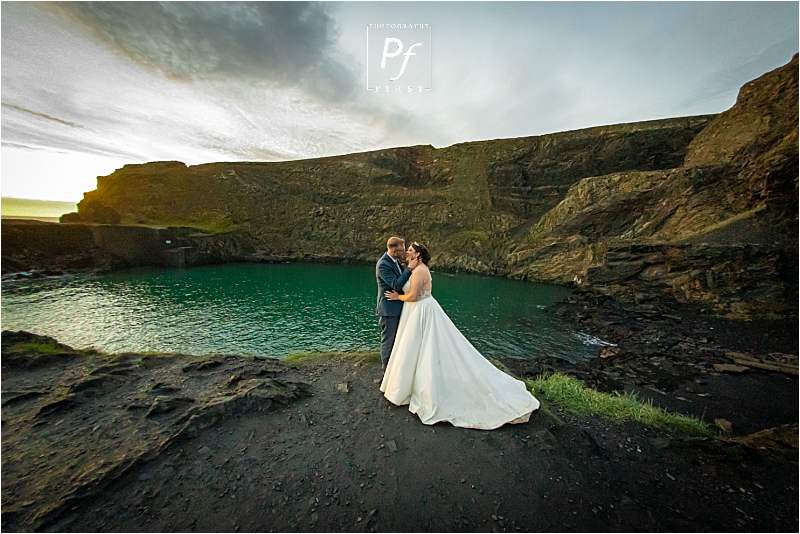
(276, 309)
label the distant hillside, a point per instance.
(13, 207)
(699, 209)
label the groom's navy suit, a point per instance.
(390, 277)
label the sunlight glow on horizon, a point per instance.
(51, 175)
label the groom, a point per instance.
(390, 275)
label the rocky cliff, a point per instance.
(699, 209)
(719, 229)
(32, 249)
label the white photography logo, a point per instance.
(398, 58)
(399, 44)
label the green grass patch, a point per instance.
(572, 395)
(211, 225)
(467, 238)
(39, 348)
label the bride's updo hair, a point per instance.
(424, 255)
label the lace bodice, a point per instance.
(427, 285)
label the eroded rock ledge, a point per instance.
(75, 421)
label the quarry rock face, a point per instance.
(719, 230)
(700, 210)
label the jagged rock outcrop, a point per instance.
(718, 230)
(77, 420)
(701, 209)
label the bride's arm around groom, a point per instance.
(390, 278)
(416, 288)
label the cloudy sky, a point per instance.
(88, 87)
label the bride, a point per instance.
(436, 371)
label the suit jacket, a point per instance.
(389, 277)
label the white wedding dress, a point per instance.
(436, 371)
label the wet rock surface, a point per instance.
(321, 457)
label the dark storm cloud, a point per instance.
(290, 43)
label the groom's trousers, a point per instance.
(388, 325)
